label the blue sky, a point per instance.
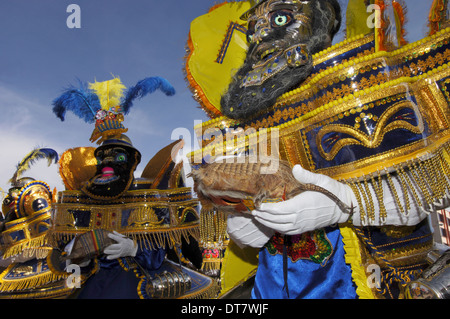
(40, 55)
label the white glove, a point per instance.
(244, 230)
(124, 247)
(309, 210)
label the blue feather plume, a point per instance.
(81, 101)
(144, 87)
(34, 155)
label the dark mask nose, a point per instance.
(107, 160)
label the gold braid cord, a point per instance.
(213, 238)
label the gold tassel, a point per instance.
(27, 283)
(418, 178)
(404, 187)
(379, 195)
(425, 176)
(213, 236)
(369, 200)
(366, 201)
(392, 187)
(163, 239)
(354, 187)
(35, 246)
(212, 226)
(438, 176)
(410, 186)
(151, 240)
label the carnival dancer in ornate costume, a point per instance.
(116, 226)
(359, 129)
(24, 240)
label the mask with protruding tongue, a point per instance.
(116, 165)
(107, 176)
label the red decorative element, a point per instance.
(310, 245)
(211, 253)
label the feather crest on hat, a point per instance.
(36, 154)
(106, 102)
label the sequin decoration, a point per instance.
(313, 246)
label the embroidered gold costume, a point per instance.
(150, 217)
(24, 239)
(369, 110)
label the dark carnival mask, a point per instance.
(116, 163)
(282, 37)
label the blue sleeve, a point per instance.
(150, 259)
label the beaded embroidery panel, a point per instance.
(313, 246)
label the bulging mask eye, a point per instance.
(121, 157)
(280, 18)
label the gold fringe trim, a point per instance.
(149, 240)
(30, 248)
(162, 239)
(213, 226)
(353, 258)
(27, 283)
(52, 291)
(211, 265)
(429, 175)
